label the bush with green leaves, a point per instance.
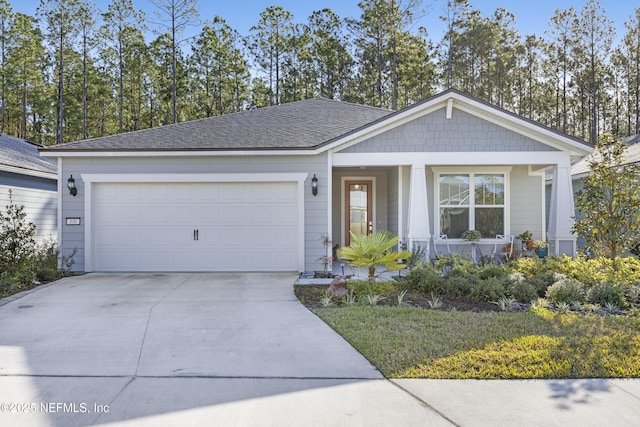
(519, 288)
(607, 292)
(423, 278)
(490, 289)
(17, 241)
(566, 290)
(457, 286)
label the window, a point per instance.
(471, 201)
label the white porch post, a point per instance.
(419, 233)
(561, 212)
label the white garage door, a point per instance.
(195, 226)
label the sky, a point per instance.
(531, 16)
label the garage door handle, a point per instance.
(197, 234)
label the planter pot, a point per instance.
(542, 252)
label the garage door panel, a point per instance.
(150, 227)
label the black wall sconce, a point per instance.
(71, 185)
(314, 185)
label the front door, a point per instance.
(358, 203)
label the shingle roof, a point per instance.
(631, 155)
(21, 154)
(295, 125)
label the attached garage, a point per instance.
(252, 222)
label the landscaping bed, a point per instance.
(559, 318)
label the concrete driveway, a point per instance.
(185, 349)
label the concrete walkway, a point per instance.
(239, 350)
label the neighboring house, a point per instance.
(234, 192)
(33, 183)
(581, 168)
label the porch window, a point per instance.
(471, 201)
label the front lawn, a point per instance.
(409, 342)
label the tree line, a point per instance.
(72, 72)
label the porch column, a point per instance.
(419, 234)
(561, 212)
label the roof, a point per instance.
(631, 155)
(311, 125)
(295, 125)
(21, 156)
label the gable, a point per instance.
(433, 132)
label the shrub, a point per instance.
(491, 270)
(523, 291)
(632, 294)
(17, 241)
(457, 286)
(491, 289)
(542, 282)
(566, 290)
(608, 292)
(422, 278)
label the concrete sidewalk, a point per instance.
(240, 350)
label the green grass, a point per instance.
(405, 342)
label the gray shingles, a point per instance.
(296, 125)
(21, 154)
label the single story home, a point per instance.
(257, 190)
(32, 180)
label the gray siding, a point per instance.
(39, 198)
(381, 200)
(435, 133)
(315, 207)
(527, 198)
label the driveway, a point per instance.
(185, 349)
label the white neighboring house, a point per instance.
(33, 182)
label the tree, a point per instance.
(60, 17)
(122, 24)
(372, 251)
(268, 43)
(220, 71)
(609, 203)
(6, 18)
(175, 16)
(332, 61)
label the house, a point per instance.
(32, 180)
(256, 190)
(581, 168)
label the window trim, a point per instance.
(472, 171)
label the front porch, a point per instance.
(418, 202)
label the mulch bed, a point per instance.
(311, 295)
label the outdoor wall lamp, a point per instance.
(314, 185)
(71, 185)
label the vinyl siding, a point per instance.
(39, 198)
(315, 207)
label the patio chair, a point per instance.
(503, 240)
(443, 241)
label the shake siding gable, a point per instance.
(433, 132)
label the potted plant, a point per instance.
(471, 235)
(526, 237)
(541, 248)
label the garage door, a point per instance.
(195, 226)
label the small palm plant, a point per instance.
(372, 251)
